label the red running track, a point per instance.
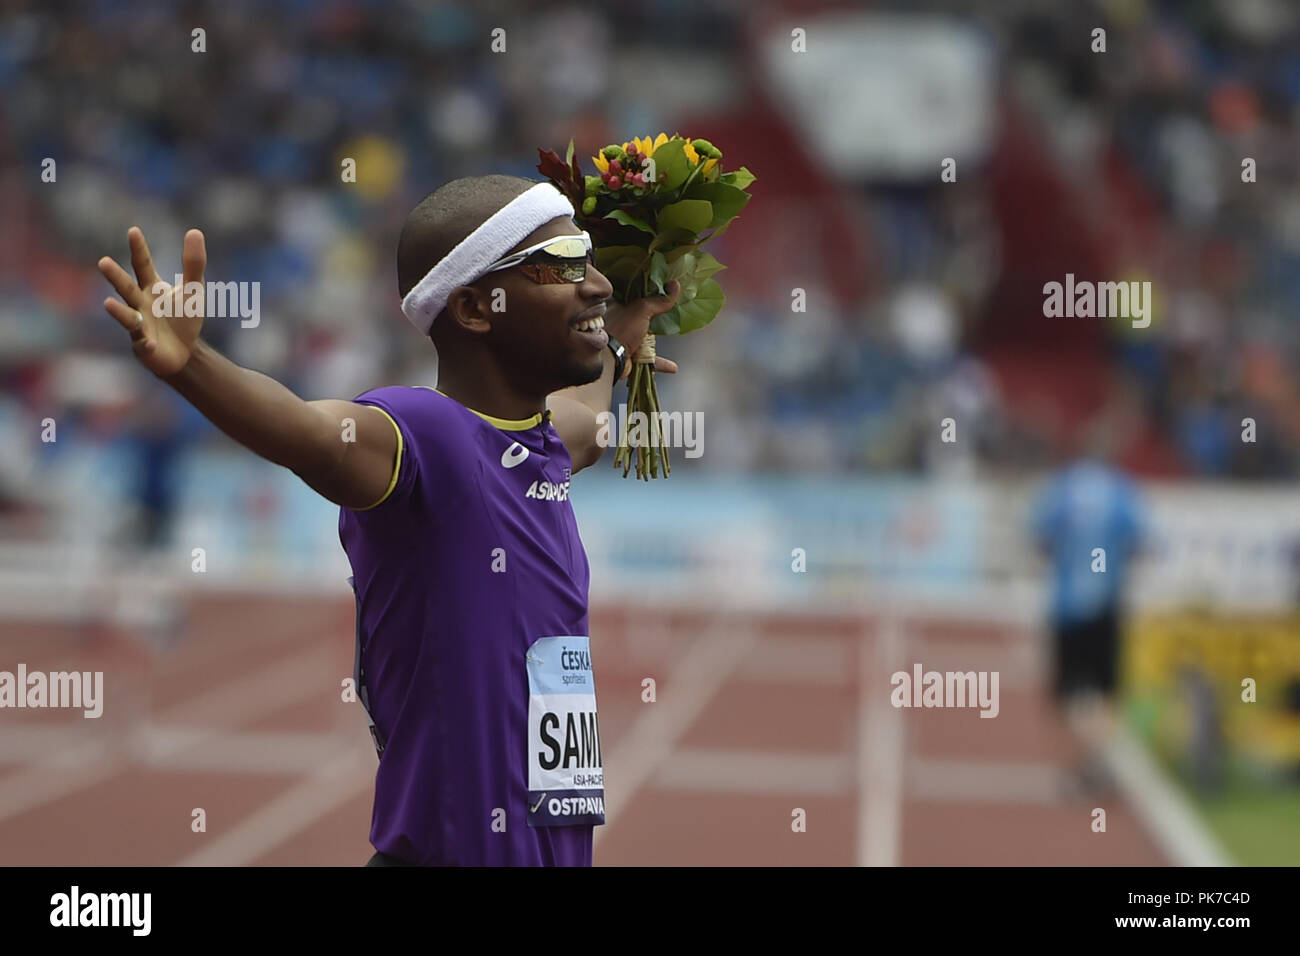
(770, 741)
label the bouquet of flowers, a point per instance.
(649, 209)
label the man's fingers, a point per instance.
(665, 365)
(194, 257)
(653, 305)
(662, 303)
(122, 282)
(134, 322)
(128, 318)
(141, 260)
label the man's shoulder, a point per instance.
(417, 404)
(399, 394)
(435, 441)
(435, 428)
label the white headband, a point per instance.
(503, 230)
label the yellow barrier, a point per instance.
(1225, 650)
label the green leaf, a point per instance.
(706, 265)
(681, 261)
(620, 264)
(673, 239)
(626, 268)
(618, 215)
(658, 272)
(681, 266)
(740, 178)
(716, 232)
(692, 214)
(666, 323)
(691, 269)
(693, 315)
(609, 254)
(725, 199)
(703, 308)
(671, 165)
(568, 155)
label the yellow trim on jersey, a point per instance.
(505, 424)
(397, 463)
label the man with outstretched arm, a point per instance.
(472, 657)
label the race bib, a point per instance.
(566, 782)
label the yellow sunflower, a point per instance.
(646, 146)
(694, 157)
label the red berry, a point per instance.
(615, 167)
(615, 182)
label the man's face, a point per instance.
(537, 336)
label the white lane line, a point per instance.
(1014, 662)
(760, 772)
(179, 747)
(880, 747)
(240, 701)
(332, 785)
(19, 744)
(757, 772)
(256, 752)
(296, 678)
(55, 776)
(1164, 811)
(984, 781)
(800, 659)
(698, 675)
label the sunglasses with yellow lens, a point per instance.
(556, 260)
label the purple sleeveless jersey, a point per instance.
(472, 659)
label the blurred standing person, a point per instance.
(1086, 523)
(158, 439)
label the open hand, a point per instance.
(163, 336)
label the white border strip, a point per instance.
(880, 747)
(1164, 812)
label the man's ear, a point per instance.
(469, 308)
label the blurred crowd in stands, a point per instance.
(247, 138)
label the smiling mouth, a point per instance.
(593, 324)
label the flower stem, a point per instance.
(694, 172)
(663, 444)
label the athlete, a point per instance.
(1087, 524)
(472, 652)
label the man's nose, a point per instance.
(595, 285)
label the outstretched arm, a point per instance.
(255, 410)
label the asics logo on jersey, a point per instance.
(548, 491)
(514, 455)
